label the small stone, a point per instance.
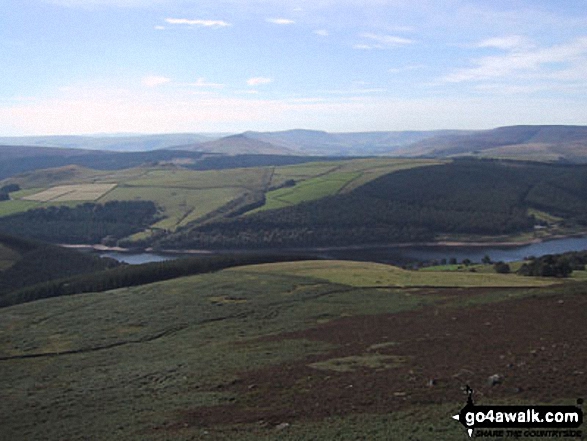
(494, 379)
(282, 426)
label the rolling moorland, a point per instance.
(541, 143)
(290, 351)
(279, 346)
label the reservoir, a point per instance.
(409, 254)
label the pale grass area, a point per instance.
(352, 363)
(363, 274)
(65, 193)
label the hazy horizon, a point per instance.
(84, 67)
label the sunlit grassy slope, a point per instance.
(368, 274)
(133, 358)
(185, 196)
(128, 363)
(317, 180)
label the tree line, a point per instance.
(84, 223)
(135, 275)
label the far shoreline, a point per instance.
(440, 243)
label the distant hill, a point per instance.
(120, 143)
(311, 142)
(541, 142)
(315, 143)
(552, 143)
(242, 144)
(20, 159)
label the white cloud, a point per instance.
(367, 46)
(198, 22)
(321, 32)
(381, 41)
(280, 21)
(524, 63)
(154, 81)
(160, 28)
(201, 82)
(388, 40)
(509, 42)
(256, 81)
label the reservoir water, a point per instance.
(412, 254)
(402, 255)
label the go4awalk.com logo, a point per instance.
(517, 421)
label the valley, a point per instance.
(251, 340)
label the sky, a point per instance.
(168, 66)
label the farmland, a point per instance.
(187, 196)
(275, 352)
(66, 193)
(315, 181)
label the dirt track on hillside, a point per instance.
(538, 347)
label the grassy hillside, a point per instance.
(464, 198)
(195, 196)
(272, 354)
(332, 203)
(368, 274)
(539, 143)
(315, 181)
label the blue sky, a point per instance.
(162, 66)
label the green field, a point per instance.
(128, 364)
(308, 190)
(67, 193)
(186, 196)
(317, 180)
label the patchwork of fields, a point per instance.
(186, 196)
(317, 180)
(67, 193)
